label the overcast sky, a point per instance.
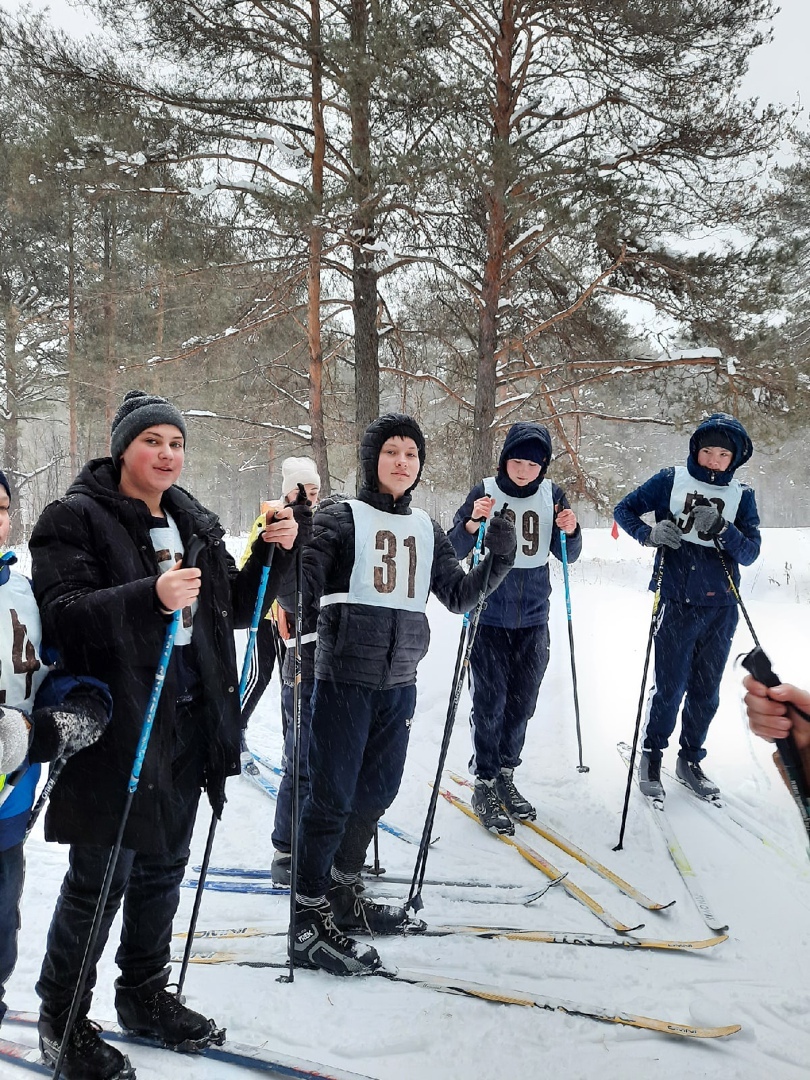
(779, 72)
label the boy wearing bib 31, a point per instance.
(510, 652)
(371, 565)
(706, 525)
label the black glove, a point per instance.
(62, 730)
(302, 512)
(500, 537)
(13, 739)
(708, 520)
(665, 534)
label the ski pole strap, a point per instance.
(564, 553)
(476, 556)
(254, 623)
(193, 549)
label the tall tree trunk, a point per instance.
(11, 420)
(364, 273)
(109, 317)
(73, 375)
(318, 433)
(496, 227)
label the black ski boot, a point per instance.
(88, 1057)
(649, 776)
(517, 806)
(281, 868)
(317, 943)
(691, 774)
(151, 1012)
(354, 911)
(487, 807)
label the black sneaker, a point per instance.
(281, 868)
(649, 776)
(487, 807)
(691, 774)
(161, 1017)
(351, 910)
(517, 806)
(88, 1057)
(317, 943)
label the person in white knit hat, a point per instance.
(276, 638)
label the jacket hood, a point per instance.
(378, 431)
(733, 429)
(522, 432)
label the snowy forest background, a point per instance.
(288, 216)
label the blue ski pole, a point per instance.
(194, 548)
(564, 550)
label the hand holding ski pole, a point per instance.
(281, 528)
(792, 746)
(178, 587)
(481, 511)
(778, 711)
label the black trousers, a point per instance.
(147, 887)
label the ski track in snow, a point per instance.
(396, 1032)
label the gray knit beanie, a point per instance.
(136, 413)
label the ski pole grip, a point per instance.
(193, 550)
(756, 663)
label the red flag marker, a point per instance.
(614, 532)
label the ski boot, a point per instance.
(151, 1012)
(692, 776)
(353, 911)
(649, 776)
(317, 943)
(281, 868)
(489, 810)
(88, 1057)
(516, 805)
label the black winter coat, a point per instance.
(375, 646)
(94, 572)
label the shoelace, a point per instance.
(512, 793)
(331, 928)
(86, 1033)
(493, 802)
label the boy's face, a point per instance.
(5, 517)
(522, 472)
(715, 458)
(312, 490)
(397, 465)
(153, 461)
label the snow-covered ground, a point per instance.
(758, 978)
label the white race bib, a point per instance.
(21, 670)
(168, 549)
(688, 492)
(393, 559)
(533, 517)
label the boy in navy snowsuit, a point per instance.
(371, 565)
(510, 652)
(706, 526)
(29, 736)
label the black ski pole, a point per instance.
(564, 551)
(758, 664)
(735, 592)
(414, 900)
(195, 546)
(212, 828)
(295, 754)
(45, 794)
(656, 601)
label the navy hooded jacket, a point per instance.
(695, 574)
(522, 599)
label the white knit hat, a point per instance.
(298, 470)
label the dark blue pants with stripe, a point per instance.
(357, 745)
(691, 650)
(506, 669)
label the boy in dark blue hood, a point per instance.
(510, 652)
(706, 525)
